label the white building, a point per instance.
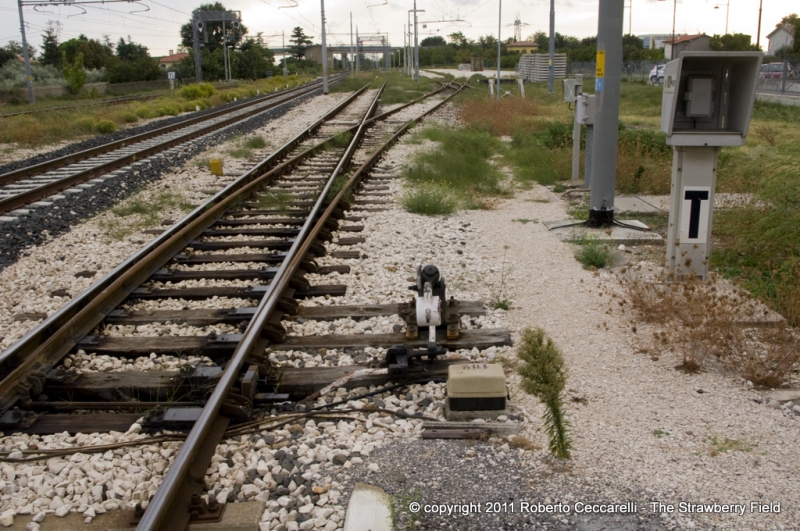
(653, 42)
(782, 35)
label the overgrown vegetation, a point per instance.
(499, 299)
(703, 321)
(544, 376)
(457, 174)
(143, 212)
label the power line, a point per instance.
(173, 9)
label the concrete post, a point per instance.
(416, 45)
(198, 68)
(499, 17)
(324, 50)
(587, 165)
(358, 53)
(576, 133)
(224, 50)
(552, 47)
(26, 56)
(607, 86)
(352, 65)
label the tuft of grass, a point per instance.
(400, 512)
(277, 199)
(544, 376)
(523, 443)
(149, 210)
(660, 433)
(342, 139)
(240, 152)
(717, 446)
(593, 255)
(430, 200)
(203, 163)
(525, 221)
(255, 142)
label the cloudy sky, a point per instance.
(156, 23)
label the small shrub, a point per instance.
(195, 91)
(240, 153)
(342, 139)
(593, 255)
(768, 134)
(144, 113)
(255, 142)
(430, 200)
(85, 124)
(74, 73)
(130, 117)
(105, 126)
(229, 96)
(544, 376)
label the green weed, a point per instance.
(593, 255)
(255, 142)
(544, 376)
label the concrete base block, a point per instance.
(466, 416)
(565, 231)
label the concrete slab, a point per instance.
(571, 231)
(243, 516)
(369, 509)
(660, 203)
(783, 395)
(632, 203)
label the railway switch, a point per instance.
(430, 309)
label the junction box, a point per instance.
(475, 390)
(707, 104)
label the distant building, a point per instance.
(687, 43)
(654, 42)
(314, 53)
(523, 47)
(172, 59)
(782, 35)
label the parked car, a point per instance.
(775, 70)
(657, 74)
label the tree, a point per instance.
(132, 63)
(794, 21)
(300, 42)
(50, 54)
(433, 41)
(94, 54)
(253, 60)
(6, 56)
(74, 74)
(459, 40)
(737, 42)
(213, 31)
(15, 47)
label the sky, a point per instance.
(156, 23)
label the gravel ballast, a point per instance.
(643, 432)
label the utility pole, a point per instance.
(25, 55)
(607, 87)
(499, 18)
(352, 63)
(198, 67)
(224, 50)
(552, 50)
(672, 46)
(405, 62)
(416, 46)
(283, 44)
(358, 53)
(324, 51)
(758, 34)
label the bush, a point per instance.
(85, 124)
(105, 126)
(130, 117)
(229, 96)
(196, 91)
(544, 376)
(168, 109)
(430, 201)
(593, 255)
(144, 113)
(256, 142)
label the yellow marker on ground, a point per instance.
(216, 167)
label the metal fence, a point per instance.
(787, 82)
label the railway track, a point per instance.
(212, 291)
(74, 173)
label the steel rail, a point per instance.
(25, 347)
(168, 510)
(50, 339)
(46, 190)
(37, 169)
